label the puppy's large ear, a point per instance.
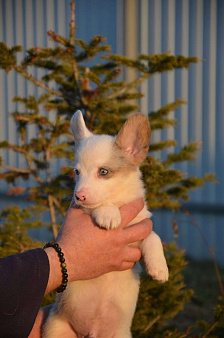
(78, 128)
(134, 138)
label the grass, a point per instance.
(201, 277)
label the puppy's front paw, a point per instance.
(107, 216)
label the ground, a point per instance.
(201, 277)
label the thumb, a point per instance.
(130, 211)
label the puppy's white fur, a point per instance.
(104, 307)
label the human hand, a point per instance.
(91, 251)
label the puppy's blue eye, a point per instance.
(77, 172)
(103, 171)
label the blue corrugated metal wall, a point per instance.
(195, 28)
(188, 27)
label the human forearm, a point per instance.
(22, 285)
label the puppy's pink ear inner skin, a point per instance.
(134, 138)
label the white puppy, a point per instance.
(107, 176)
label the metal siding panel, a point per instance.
(40, 32)
(10, 85)
(184, 72)
(181, 78)
(50, 26)
(29, 32)
(157, 50)
(209, 97)
(40, 38)
(109, 29)
(164, 76)
(67, 17)
(164, 49)
(19, 30)
(220, 104)
(15, 77)
(24, 39)
(56, 16)
(20, 22)
(3, 97)
(61, 18)
(155, 81)
(33, 18)
(120, 28)
(191, 231)
(100, 19)
(195, 86)
(178, 73)
(1, 21)
(150, 42)
(60, 8)
(2, 85)
(30, 42)
(50, 20)
(171, 75)
(168, 45)
(44, 13)
(131, 36)
(34, 22)
(184, 78)
(144, 50)
(4, 81)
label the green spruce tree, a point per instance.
(106, 100)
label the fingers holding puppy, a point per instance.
(138, 231)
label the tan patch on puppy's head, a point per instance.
(134, 138)
(118, 163)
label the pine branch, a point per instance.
(161, 124)
(16, 170)
(29, 77)
(187, 153)
(7, 145)
(165, 110)
(212, 327)
(126, 61)
(162, 145)
(165, 62)
(7, 56)
(59, 39)
(152, 322)
(129, 86)
(32, 169)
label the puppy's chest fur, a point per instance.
(92, 306)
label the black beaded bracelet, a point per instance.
(57, 248)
